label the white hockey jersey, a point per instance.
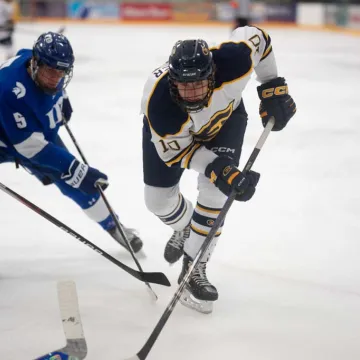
(179, 136)
(6, 15)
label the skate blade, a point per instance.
(202, 306)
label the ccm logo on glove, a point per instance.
(276, 103)
(278, 91)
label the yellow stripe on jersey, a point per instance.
(242, 76)
(167, 135)
(183, 153)
(239, 78)
(264, 33)
(268, 47)
(216, 212)
(190, 155)
(203, 232)
(214, 125)
(147, 109)
(266, 52)
(152, 92)
(217, 47)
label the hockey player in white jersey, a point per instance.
(194, 118)
(6, 28)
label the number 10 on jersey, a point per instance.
(173, 145)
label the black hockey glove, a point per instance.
(276, 102)
(227, 177)
(66, 107)
(85, 178)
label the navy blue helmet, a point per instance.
(191, 61)
(54, 51)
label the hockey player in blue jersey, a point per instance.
(33, 104)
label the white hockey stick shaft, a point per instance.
(76, 348)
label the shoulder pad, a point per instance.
(165, 117)
(232, 60)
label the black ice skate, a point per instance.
(199, 294)
(134, 240)
(174, 248)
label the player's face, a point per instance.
(48, 77)
(193, 91)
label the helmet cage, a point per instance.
(191, 61)
(54, 51)
(192, 106)
(63, 83)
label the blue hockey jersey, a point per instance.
(30, 118)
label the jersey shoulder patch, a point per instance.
(232, 60)
(165, 117)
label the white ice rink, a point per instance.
(287, 266)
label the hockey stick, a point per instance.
(151, 277)
(143, 353)
(76, 348)
(111, 211)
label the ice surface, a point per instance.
(287, 266)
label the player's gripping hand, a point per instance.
(276, 102)
(227, 177)
(85, 178)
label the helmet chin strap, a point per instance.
(33, 70)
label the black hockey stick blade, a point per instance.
(151, 277)
(143, 353)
